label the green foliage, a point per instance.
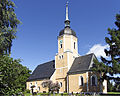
(27, 91)
(110, 87)
(110, 66)
(117, 86)
(14, 75)
(8, 25)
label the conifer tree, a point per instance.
(109, 67)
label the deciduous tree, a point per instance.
(14, 76)
(8, 25)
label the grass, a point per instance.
(27, 94)
(113, 93)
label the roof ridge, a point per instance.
(86, 55)
(46, 62)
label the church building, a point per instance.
(69, 69)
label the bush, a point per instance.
(27, 91)
(34, 93)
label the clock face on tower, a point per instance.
(61, 41)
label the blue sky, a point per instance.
(42, 21)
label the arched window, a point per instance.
(81, 81)
(94, 80)
(60, 45)
(30, 85)
(74, 45)
(60, 84)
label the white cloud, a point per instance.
(98, 50)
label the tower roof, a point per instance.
(67, 30)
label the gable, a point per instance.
(43, 71)
(81, 64)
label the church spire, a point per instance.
(67, 22)
(67, 11)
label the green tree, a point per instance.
(8, 25)
(14, 75)
(109, 67)
(110, 87)
(117, 86)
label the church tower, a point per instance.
(67, 52)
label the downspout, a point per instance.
(67, 83)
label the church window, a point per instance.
(30, 85)
(93, 80)
(81, 81)
(60, 45)
(74, 45)
(60, 84)
(59, 57)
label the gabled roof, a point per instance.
(81, 64)
(43, 71)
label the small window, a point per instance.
(62, 56)
(74, 45)
(81, 81)
(94, 80)
(60, 45)
(59, 57)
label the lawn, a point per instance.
(113, 92)
(27, 94)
